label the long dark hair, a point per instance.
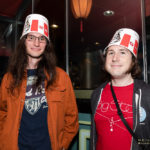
(19, 61)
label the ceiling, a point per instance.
(100, 28)
(96, 28)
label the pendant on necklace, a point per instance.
(111, 127)
(111, 124)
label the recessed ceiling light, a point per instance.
(109, 13)
(54, 26)
(3, 47)
(97, 43)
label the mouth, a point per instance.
(36, 49)
(115, 66)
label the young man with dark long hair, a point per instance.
(121, 105)
(38, 109)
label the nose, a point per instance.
(36, 42)
(115, 57)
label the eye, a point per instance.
(42, 38)
(123, 52)
(110, 53)
(30, 37)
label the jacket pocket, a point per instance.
(56, 104)
(56, 94)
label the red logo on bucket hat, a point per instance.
(45, 29)
(34, 25)
(125, 40)
(135, 47)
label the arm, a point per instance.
(3, 104)
(92, 134)
(71, 115)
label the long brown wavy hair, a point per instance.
(19, 61)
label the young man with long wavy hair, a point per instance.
(38, 109)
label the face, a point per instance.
(35, 45)
(118, 62)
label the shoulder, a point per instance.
(140, 84)
(7, 77)
(6, 80)
(60, 73)
(60, 70)
(62, 78)
(96, 93)
(98, 89)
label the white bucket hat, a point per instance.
(36, 23)
(127, 38)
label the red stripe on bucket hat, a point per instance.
(125, 40)
(45, 29)
(135, 47)
(34, 25)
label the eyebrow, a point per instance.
(110, 50)
(35, 35)
(122, 49)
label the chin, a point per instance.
(119, 76)
(35, 56)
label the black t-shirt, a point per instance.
(33, 133)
